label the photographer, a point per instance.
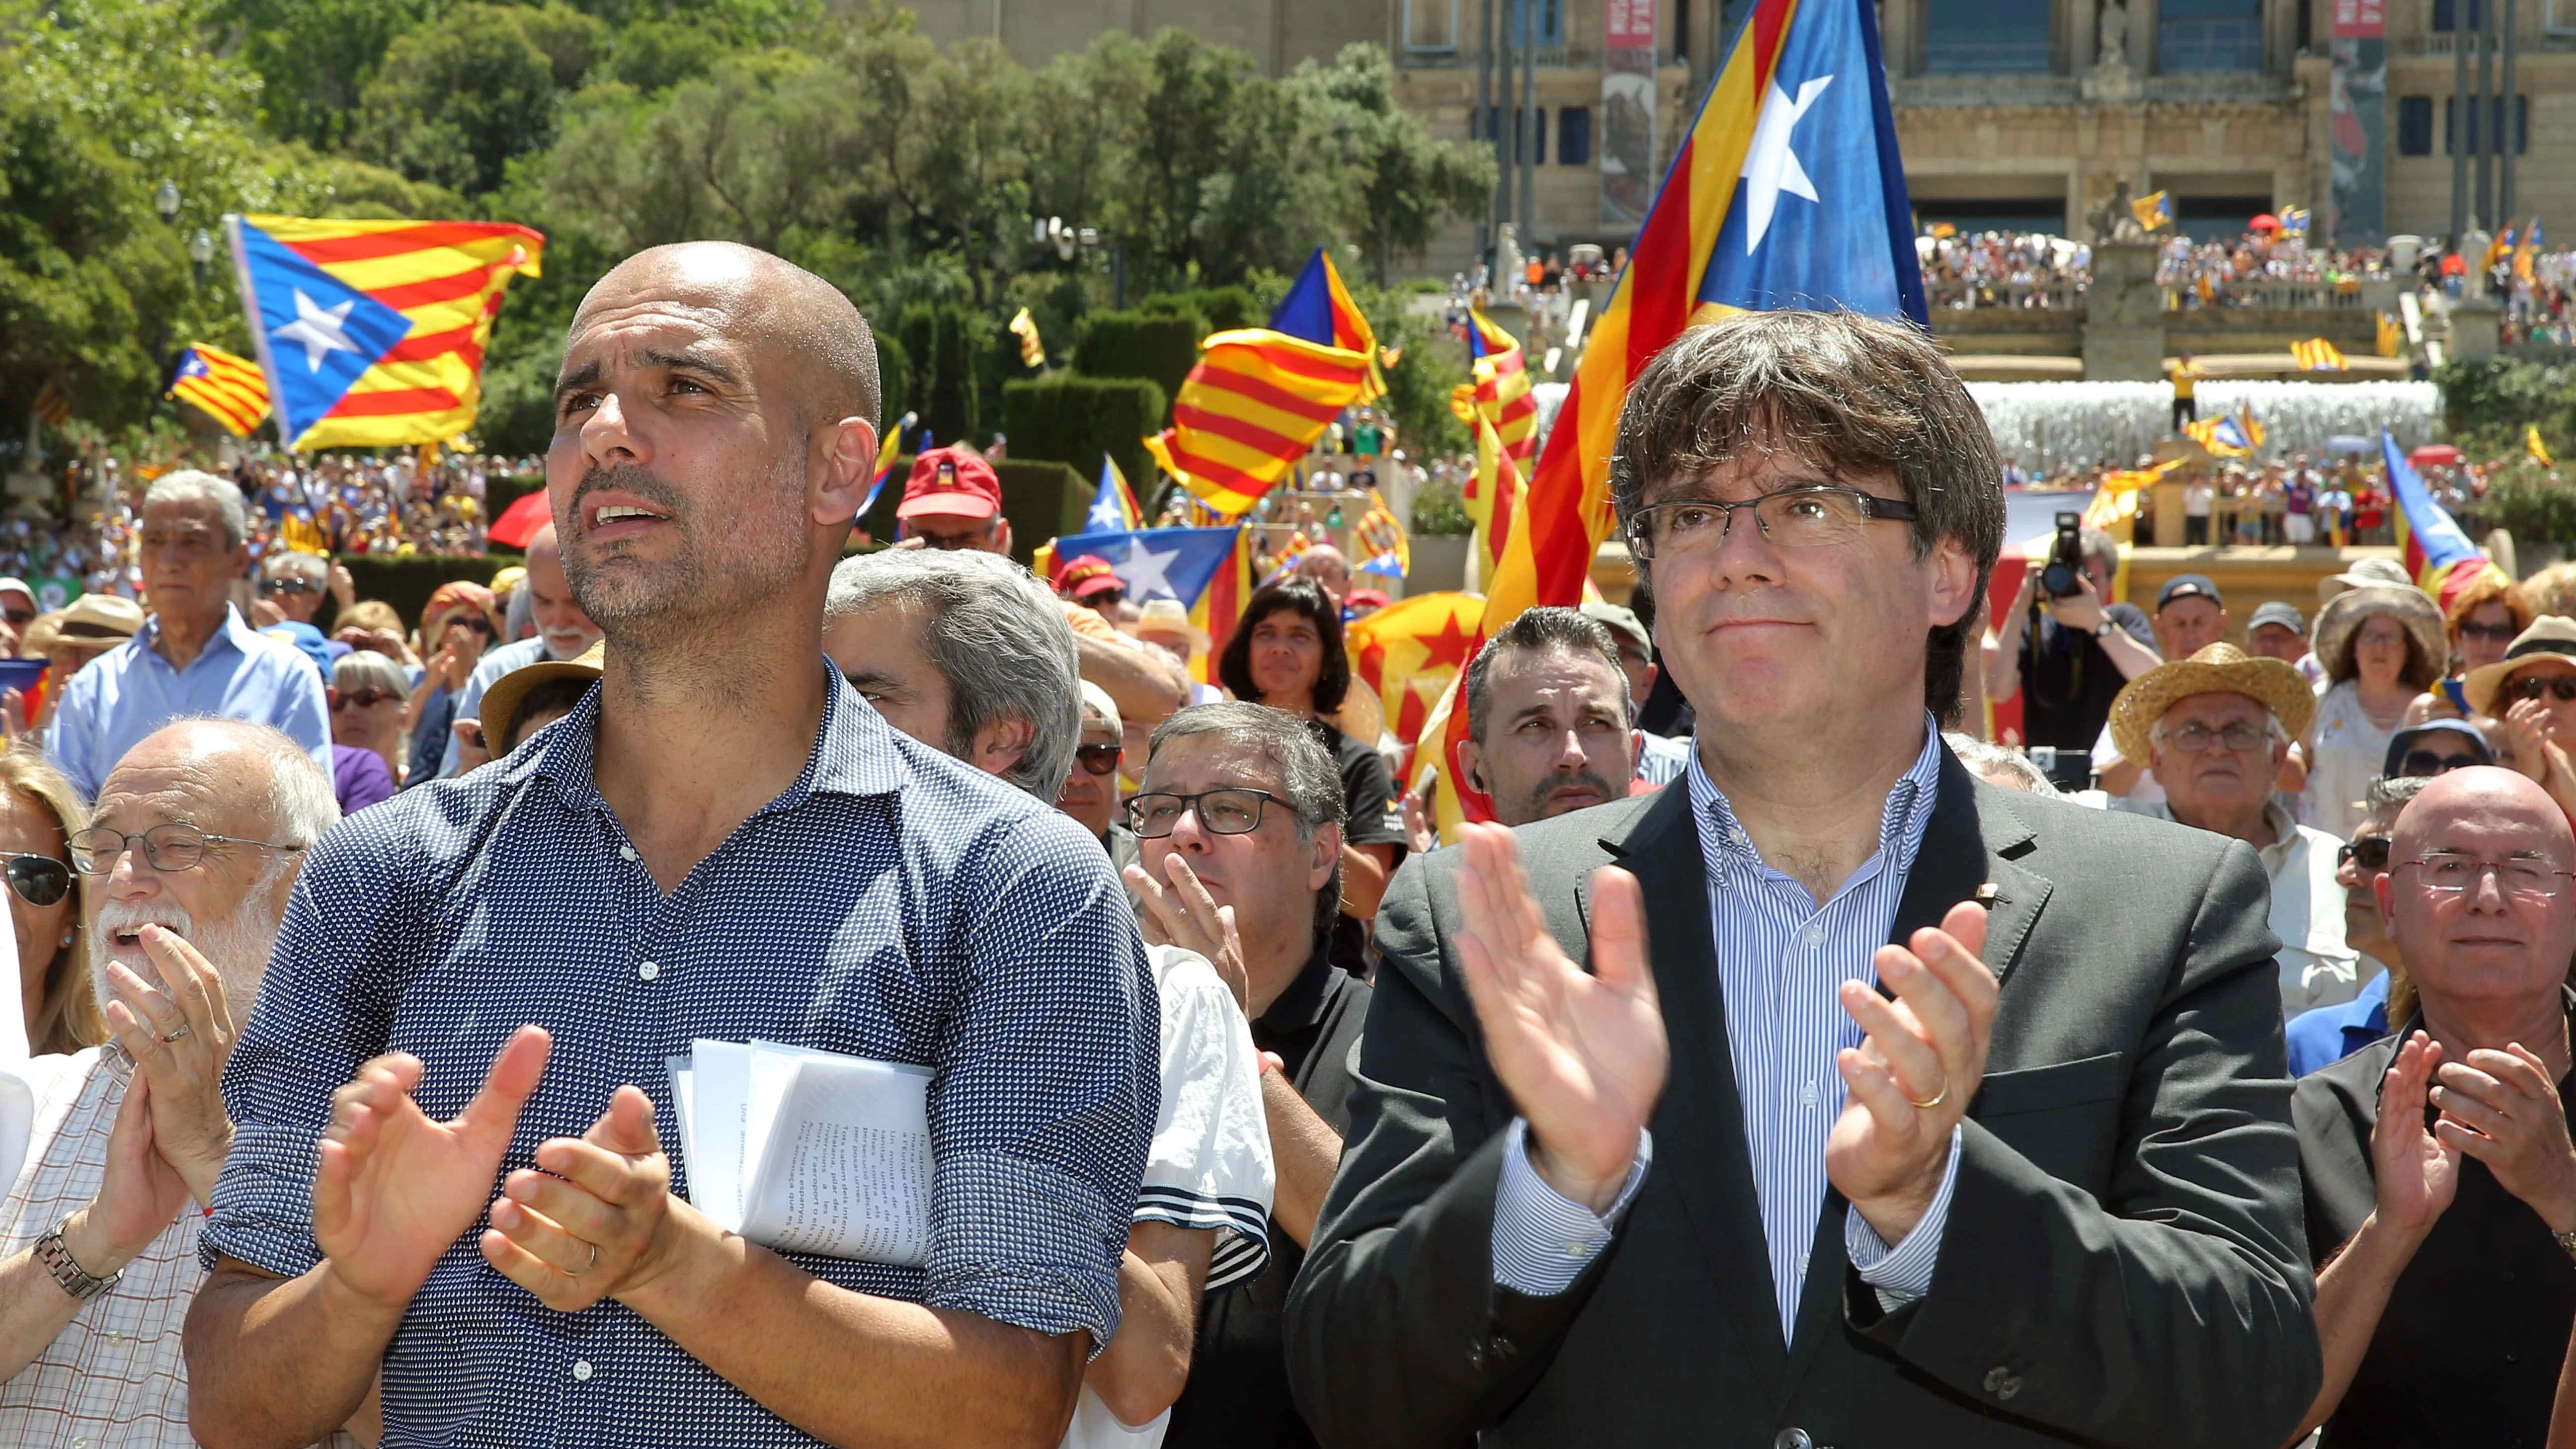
(2070, 666)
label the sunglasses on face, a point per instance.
(1099, 759)
(2426, 764)
(2534, 686)
(2371, 851)
(288, 586)
(39, 880)
(362, 698)
(475, 622)
(2497, 633)
(18, 618)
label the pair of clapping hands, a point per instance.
(2499, 1107)
(170, 1136)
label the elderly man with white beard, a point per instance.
(190, 856)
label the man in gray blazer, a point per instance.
(1886, 1107)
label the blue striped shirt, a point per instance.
(1780, 961)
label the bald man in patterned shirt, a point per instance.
(477, 987)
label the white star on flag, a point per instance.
(1105, 516)
(320, 330)
(1770, 167)
(1146, 573)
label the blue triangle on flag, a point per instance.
(317, 334)
(1307, 310)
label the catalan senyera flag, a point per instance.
(2392, 337)
(887, 452)
(2529, 248)
(2437, 552)
(1409, 651)
(53, 404)
(2153, 210)
(2498, 249)
(1387, 552)
(371, 333)
(1260, 396)
(2538, 450)
(2295, 218)
(2318, 355)
(230, 389)
(1025, 328)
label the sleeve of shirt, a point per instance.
(324, 1009)
(1542, 1240)
(1209, 1165)
(1366, 790)
(304, 712)
(1903, 1274)
(1048, 1087)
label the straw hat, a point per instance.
(1168, 616)
(2550, 636)
(502, 700)
(2410, 606)
(98, 621)
(2363, 574)
(2222, 668)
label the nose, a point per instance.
(132, 878)
(607, 436)
(1189, 835)
(1745, 554)
(1569, 751)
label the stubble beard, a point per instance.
(636, 604)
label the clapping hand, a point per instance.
(178, 1035)
(1920, 1063)
(1583, 1055)
(598, 1218)
(2501, 1108)
(2416, 1171)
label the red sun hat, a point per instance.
(1084, 575)
(951, 481)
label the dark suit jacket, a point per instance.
(2123, 1262)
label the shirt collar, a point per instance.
(1900, 824)
(854, 752)
(236, 632)
(1302, 1005)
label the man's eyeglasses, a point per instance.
(2524, 880)
(2370, 850)
(2496, 633)
(1233, 811)
(2533, 686)
(1811, 516)
(289, 586)
(39, 880)
(2424, 764)
(2191, 739)
(362, 698)
(1099, 759)
(175, 846)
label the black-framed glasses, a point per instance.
(2533, 686)
(1099, 759)
(1235, 810)
(2370, 850)
(289, 586)
(2424, 764)
(2445, 874)
(174, 846)
(2498, 633)
(39, 880)
(1817, 515)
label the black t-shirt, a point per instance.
(1238, 1391)
(1368, 795)
(2468, 1349)
(2068, 683)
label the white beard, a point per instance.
(238, 947)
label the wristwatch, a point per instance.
(2105, 627)
(2567, 1241)
(75, 1279)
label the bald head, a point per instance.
(2484, 802)
(2477, 896)
(774, 307)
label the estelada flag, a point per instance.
(1407, 652)
(230, 389)
(2438, 554)
(1208, 569)
(371, 333)
(1259, 397)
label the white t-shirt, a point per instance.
(1209, 1165)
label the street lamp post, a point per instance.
(201, 250)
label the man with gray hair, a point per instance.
(200, 831)
(195, 655)
(964, 651)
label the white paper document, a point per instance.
(808, 1151)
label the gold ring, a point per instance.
(586, 1267)
(174, 1036)
(1938, 1097)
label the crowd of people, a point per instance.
(369, 980)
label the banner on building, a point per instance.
(1628, 171)
(2357, 122)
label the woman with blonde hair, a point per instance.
(39, 810)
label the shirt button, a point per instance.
(581, 1370)
(1577, 1248)
(626, 852)
(1793, 1439)
(1807, 1095)
(1815, 936)
(650, 970)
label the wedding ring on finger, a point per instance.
(586, 1267)
(1936, 1099)
(170, 1037)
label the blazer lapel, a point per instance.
(1700, 1122)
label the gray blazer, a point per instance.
(2123, 1263)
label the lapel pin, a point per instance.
(1986, 894)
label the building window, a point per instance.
(1574, 136)
(1546, 22)
(1971, 37)
(2450, 14)
(1431, 25)
(2495, 113)
(1498, 126)
(2415, 125)
(2209, 35)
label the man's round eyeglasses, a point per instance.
(1817, 515)
(2526, 880)
(175, 846)
(1233, 811)
(39, 880)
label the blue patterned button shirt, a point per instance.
(892, 903)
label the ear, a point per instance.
(1006, 536)
(1472, 761)
(1000, 744)
(849, 456)
(1327, 855)
(2384, 891)
(1953, 581)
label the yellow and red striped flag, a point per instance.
(371, 333)
(2318, 355)
(229, 388)
(1260, 396)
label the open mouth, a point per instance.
(615, 518)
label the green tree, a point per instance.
(1402, 183)
(316, 57)
(455, 101)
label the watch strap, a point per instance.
(75, 1280)
(2567, 1241)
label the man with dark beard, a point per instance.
(1547, 717)
(721, 842)
(199, 832)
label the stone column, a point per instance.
(2076, 45)
(2142, 36)
(1900, 36)
(2124, 317)
(2475, 329)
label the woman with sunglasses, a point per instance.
(39, 810)
(455, 629)
(368, 692)
(2531, 693)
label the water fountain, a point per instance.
(2047, 425)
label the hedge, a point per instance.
(1137, 344)
(406, 580)
(1071, 419)
(1041, 498)
(940, 342)
(1224, 309)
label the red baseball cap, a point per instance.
(953, 481)
(1084, 575)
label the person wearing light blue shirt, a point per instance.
(195, 655)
